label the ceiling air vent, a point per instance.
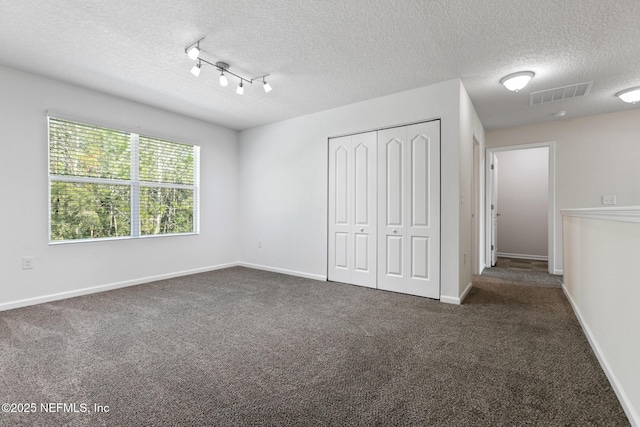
(560, 93)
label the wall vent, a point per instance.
(560, 93)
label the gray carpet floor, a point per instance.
(509, 276)
(247, 348)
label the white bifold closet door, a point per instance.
(384, 209)
(409, 209)
(352, 209)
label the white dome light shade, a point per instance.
(193, 52)
(267, 87)
(240, 89)
(223, 80)
(516, 81)
(630, 96)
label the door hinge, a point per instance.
(492, 207)
(492, 167)
(491, 247)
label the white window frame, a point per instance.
(134, 183)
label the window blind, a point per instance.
(106, 183)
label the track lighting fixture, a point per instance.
(196, 69)
(516, 81)
(193, 51)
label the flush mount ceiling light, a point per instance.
(194, 52)
(630, 96)
(516, 81)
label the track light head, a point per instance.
(196, 69)
(266, 86)
(240, 89)
(222, 66)
(223, 79)
(193, 51)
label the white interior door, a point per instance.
(494, 210)
(409, 209)
(353, 209)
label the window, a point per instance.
(105, 183)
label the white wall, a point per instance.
(595, 156)
(523, 205)
(283, 179)
(601, 273)
(66, 269)
(470, 129)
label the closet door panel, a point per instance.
(340, 264)
(419, 257)
(352, 209)
(364, 208)
(423, 224)
(409, 194)
(341, 250)
(394, 256)
(392, 184)
(419, 181)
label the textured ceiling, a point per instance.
(327, 53)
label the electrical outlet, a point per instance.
(259, 243)
(27, 262)
(608, 200)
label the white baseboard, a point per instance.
(450, 300)
(456, 300)
(466, 292)
(284, 271)
(523, 256)
(625, 402)
(558, 272)
(108, 287)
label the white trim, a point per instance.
(551, 215)
(524, 256)
(558, 272)
(108, 287)
(466, 292)
(620, 213)
(284, 271)
(450, 300)
(625, 402)
(457, 300)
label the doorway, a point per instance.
(525, 241)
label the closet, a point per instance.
(384, 209)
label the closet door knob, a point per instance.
(395, 231)
(362, 230)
